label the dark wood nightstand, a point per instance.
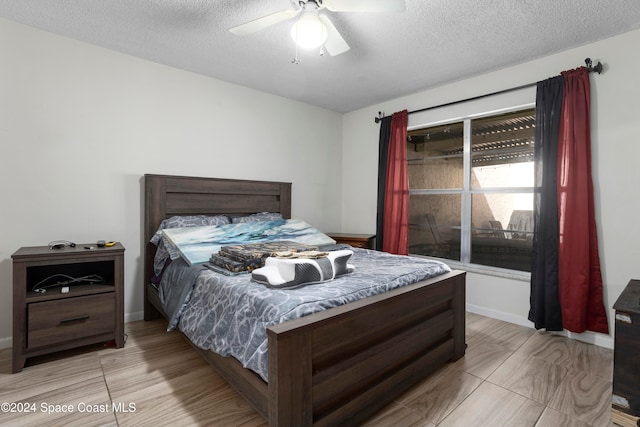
(58, 319)
(366, 241)
(625, 409)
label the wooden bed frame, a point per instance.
(336, 367)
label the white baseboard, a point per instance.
(588, 337)
(132, 317)
(500, 315)
(600, 340)
(6, 342)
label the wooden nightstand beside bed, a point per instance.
(366, 241)
(56, 319)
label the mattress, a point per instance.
(230, 314)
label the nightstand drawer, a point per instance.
(57, 321)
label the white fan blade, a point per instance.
(365, 5)
(262, 23)
(335, 44)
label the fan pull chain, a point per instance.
(322, 30)
(295, 59)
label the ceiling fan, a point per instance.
(314, 29)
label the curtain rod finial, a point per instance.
(597, 68)
(380, 117)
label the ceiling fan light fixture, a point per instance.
(309, 32)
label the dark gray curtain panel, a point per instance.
(383, 155)
(545, 310)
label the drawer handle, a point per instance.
(74, 319)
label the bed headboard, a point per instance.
(167, 196)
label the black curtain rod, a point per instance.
(590, 68)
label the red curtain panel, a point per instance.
(580, 278)
(396, 196)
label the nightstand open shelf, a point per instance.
(82, 302)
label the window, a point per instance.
(471, 190)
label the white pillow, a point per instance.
(294, 272)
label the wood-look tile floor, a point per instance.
(510, 376)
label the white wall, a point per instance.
(80, 125)
(615, 152)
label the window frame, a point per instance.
(466, 192)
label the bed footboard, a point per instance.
(343, 365)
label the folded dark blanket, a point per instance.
(235, 265)
(223, 270)
(250, 256)
(262, 250)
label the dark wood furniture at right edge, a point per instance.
(625, 401)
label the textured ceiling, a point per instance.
(392, 54)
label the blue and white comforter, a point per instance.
(230, 314)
